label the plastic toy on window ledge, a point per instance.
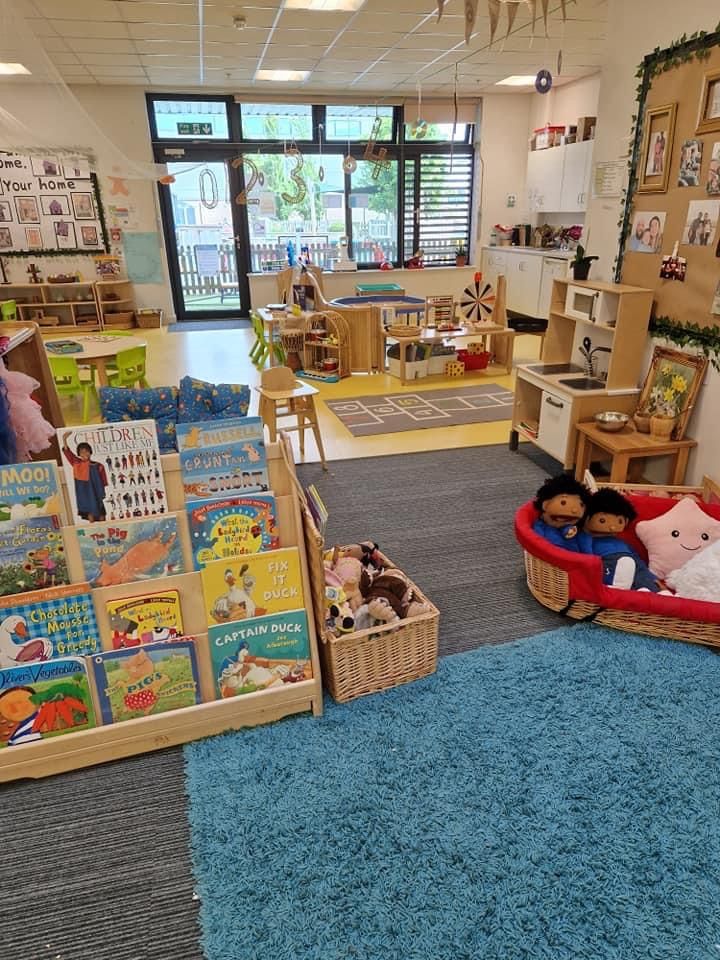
(416, 261)
(343, 261)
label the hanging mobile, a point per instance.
(206, 174)
(559, 63)
(543, 81)
(321, 170)
(349, 163)
(419, 127)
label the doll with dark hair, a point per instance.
(608, 514)
(561, 503)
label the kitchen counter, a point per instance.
(553, 381)
(536, 251)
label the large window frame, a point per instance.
(398, 149)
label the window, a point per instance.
(277, 121)
(373, 210)
(437, 132)
(190, 119)
(356, 123)
(438, 196)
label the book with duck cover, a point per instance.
(41, 700)
(150, 618)
(217, 433)
(29, 490)
(47, 624)
(130, 550)
(252, 586)
(113, 471)
(32, 555)
(260, 653)
(146, 680)
(232, 526)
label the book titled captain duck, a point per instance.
(252, 586)
(222, 458)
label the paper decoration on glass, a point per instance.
(300, 185)
(256, 177)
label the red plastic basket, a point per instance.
(474, 361)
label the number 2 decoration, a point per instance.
(301, 186)
(256, 177)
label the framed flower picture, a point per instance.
(671, 386)
(709, 114)
(653, 172)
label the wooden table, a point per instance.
(433, 335)
(97, 350)
(626, 445)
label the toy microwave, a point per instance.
(582, 303)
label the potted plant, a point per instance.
(461, 256)
(581, 263)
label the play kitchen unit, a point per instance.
(592, 361)
(530, 273)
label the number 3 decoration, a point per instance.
(300, 184)
(256, 177)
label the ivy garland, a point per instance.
(704, 339)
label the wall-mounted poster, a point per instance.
(55, 196)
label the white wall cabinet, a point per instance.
(558, 179)
(577, 169)
(529, 274)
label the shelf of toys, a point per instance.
(82, 748)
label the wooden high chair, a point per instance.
(281, 395)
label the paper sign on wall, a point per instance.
(143, 258)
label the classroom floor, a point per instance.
(222, 357)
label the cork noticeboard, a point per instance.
(678, 102)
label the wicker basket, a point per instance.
(148, 319)
(404, 332)
(122, 320)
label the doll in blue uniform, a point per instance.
(561, 503)
(608, 514)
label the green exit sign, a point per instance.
(194, 129)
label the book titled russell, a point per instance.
(232, 526)
(222, 458)
(113, 471)
(150, 618)
(252, 586)
(127, 551)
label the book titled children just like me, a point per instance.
(222, 458)
(231, 526)
(113, 471)
(40, 700)
(252, 586)
(46, 624)
(150, 618)
(260, 653)
(127, 551)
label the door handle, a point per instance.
(555, 403)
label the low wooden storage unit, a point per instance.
(88, 747)
(59, 307)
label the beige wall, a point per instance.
(502, 161)
(564, 104)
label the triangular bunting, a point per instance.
(440, 6)
(545, 4)
(470, 17)
(512, 9)
(563, 5)
(494, 13)
(532, 4)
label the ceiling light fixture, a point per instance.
(13, 69)
(517, 82)
(285, 76)
(344, 6)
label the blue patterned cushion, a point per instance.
(200, 400)
(156, 403)
(230, 400)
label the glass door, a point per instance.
(208, 260)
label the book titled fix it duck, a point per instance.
(129, 551)
(252, 586)
(231, 526)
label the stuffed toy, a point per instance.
(368, 553)
(354, 579)
(676, 535)
(561, 503)
(699, 578)
(338, 613)
(391, 597)
(608, 514)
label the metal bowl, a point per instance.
(611, 420)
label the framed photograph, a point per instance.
(45, 166)
(83, 206)
(55, 206)
(671, 385)
(65, 235)
(646, 235)
(5, 238)
(33, 235)
(89, 236)
(5, 212)
(656, 155)
(715, 308)
(27, 210)
(690, 162)
(709, 115)
(76, 168)
(701, 223)
(712, 185)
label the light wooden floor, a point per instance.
(222, 357)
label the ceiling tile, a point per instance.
(114, 71)
(104, 29)
(64, 59)
(53, 44)
(87, 10)
(41, 27)
(100, 46)
(308, 20)
(109, 60)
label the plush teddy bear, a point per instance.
(561, 503)
(355, 579)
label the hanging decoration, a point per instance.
(208, 177)
(419, 127)
(349, 164)
(374, 154)
(471, 8)
(494, 6)
(321, 171)
(300, 185)
(256, 177)
(559, 63)
(511, 14)
(494, 14)
(543, 81)
(440, 6)
(478, 300)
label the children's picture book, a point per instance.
(113, 471)
(317, 508)
(32, 555)
(150, 618)
(224, 470)
(41, 700)
(146, 680)
(261, 653)
(218, 433)
(47, 624)
(252, 586)
(232, 526)
(127, 551)
(29, 490)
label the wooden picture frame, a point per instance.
(653, 174)
(689, 366)
(709, 113)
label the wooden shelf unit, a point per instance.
(111, 742)
(78, 307)
(125, 298)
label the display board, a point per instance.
(49, 204)
(674, 193)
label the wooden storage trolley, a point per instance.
(103, 743)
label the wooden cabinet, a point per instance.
(59, 307)
(558, 179)
(116, 303)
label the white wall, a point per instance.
(633, 32)
(564, 104)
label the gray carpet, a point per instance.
(96, 864)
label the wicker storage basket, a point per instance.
(148, 319)
(122, 320)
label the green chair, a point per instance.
(8, 310)
(130, 368)
(66, 377)
(260, 350)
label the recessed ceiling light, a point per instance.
(13, 68)
(324, 5)
(283, 76)
(516, 82)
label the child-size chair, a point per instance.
(130, 368)
(8, 310)
(260, 350)
(281, 395)
(66, 377)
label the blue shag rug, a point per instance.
(556, 798)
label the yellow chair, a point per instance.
(8, 310)
(281, 395)
(130, 368)
(66, 377)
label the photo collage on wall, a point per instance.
(48, 203)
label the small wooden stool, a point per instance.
(281, 395)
